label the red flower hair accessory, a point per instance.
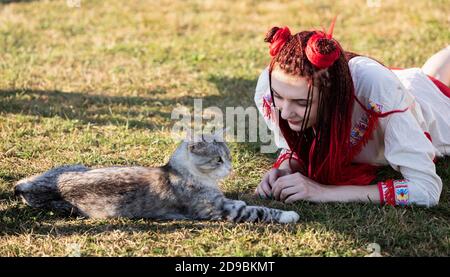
(318, 41)
(279, 39)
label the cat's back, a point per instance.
(128, 173)
(114, 180)
(116, 191)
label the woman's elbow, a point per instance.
(427, 196)
(433, 201)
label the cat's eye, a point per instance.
(218, 160)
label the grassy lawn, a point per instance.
(97, 85)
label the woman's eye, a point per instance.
(301, 104)
(278, 100)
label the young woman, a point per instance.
(339, 116)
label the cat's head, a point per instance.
(205, 156)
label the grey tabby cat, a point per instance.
(185, 188)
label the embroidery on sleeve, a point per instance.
(387, 192)
(362, 125)
(358, 130)
(401, 192)
(394, 192)
(378, 108)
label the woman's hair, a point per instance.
(324, 149)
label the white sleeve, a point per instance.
(378, 87)
(409, 151)
(262, 93)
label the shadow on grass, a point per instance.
(138, 112)
(233, 92)
(15, 1)
(21, 219)
(94, 109)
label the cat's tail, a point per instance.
(238, 211)
(40, 190)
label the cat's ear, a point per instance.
(196, 146)
(191, 146)
(193, 139)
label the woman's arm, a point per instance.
(406, 148)
(316, 192)
(349, 194)
(294, 187)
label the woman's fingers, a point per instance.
(280, 184)
(293, 198)
(273, 176)
(290, 191)
(264, 190)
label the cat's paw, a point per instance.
(289, 217)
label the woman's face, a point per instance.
(290, 96)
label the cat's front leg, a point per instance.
(239, 211)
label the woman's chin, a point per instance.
(295, 127)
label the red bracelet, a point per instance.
(387, 192)
(394, 192)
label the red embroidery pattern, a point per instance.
(401, 192)
(394, 192)
(267, 106)
(358, 131)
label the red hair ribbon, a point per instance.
(312, 50)
(278, 40)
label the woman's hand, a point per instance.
(294, 187)
(286, 187)
(264, 189)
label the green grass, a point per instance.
(97, 84)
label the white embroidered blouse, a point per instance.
(401, 139)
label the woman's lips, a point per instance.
(293, 122)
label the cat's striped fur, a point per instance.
(185, 188)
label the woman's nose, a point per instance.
(286, 110)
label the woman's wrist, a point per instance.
(330, 193)
(290, 166)
(318, 192)
(284, 166)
